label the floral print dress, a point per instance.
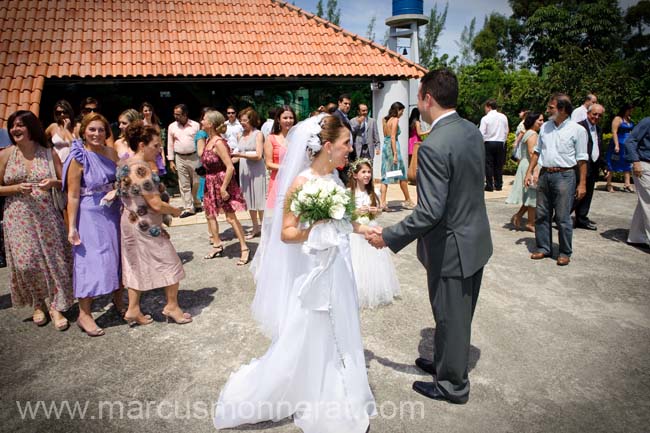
(38, 253)
(149, 260)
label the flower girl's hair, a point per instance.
(355, 168)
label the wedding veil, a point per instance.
(276, 263)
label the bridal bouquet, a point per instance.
(321, 199)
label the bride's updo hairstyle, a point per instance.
(217, 120)
(330, 130)
(137, 132)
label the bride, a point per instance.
(314, 369)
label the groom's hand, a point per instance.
(374, 237)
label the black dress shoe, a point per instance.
(429, 390)
(588, 226)
(426, 366)
(489, 189)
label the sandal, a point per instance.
(530, 228)
(39, 317)
(610, 188)
(516, 221)
(216, 252)
(187, 318)
(245, 257)
(61, 324)
(253, 234)
(628, 188)
(408, 205)
(98, 332)
(143, 320)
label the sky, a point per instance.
(356, 14)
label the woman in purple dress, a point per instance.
(93, 229)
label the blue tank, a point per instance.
(406, 7)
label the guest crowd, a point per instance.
(77, 200)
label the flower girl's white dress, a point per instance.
(315, 368)
(374, 271)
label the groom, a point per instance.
(451, 225)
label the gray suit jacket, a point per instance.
(372, 136)
(450, 220)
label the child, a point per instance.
(373, 269)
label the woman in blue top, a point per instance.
(622, 125)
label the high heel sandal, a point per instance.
(61, 324)
(187, 318)
(39, 317)
(515, 221)
(245, 257)
(216, 252)
(628, 188)
(132, 322)
(253, 234)
(98, 332)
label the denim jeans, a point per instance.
(555, 194)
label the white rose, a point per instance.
(337, 211)
(363, 220)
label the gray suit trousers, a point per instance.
(453, 301)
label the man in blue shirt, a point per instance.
(637, 151)
(561, 146)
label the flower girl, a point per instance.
(374, 271)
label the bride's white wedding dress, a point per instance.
(314, 369)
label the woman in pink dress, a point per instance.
(222, 193)
(149, 259)
(275, 148)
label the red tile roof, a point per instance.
(169, 38)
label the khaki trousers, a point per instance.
(188, 180)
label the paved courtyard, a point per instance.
(554, 349)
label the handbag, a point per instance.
(201, 171)
(516, 152)
(57, 195)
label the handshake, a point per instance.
(374, 238)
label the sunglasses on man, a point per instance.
(87, 110)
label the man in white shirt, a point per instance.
(561, 145)
(494, 128)
(267, 127)
(594, 164)
(183, 158)
(234, 131)
(580, 113)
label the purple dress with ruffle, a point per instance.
(97, 259)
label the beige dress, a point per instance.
(149, 260)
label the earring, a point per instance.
(330, 155)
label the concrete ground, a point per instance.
(554, 349)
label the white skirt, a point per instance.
(374, 273)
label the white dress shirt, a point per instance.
(579, 114)
(563, 145)
(494, 126)
(234, 130)
(267, 127)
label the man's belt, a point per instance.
(556, 169)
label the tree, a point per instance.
(333, 12)
(370, 32)
(319, 9)
(501, 38)
(432, 31)
(638, 18)
(465, 43)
